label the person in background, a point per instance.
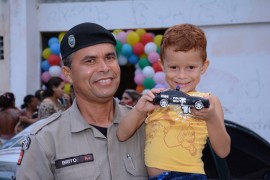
(39, 94)
(9, 116)
(29, 113)
(175, 139)
(81, 142)
(130, 97)
(55, 98)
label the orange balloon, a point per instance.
(139, 89)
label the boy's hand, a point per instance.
(145, 103)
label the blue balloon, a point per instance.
(126, 50)
(55, 48)
(45, 66)
(53, 40)
(133, 59)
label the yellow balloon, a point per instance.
(46, 53)
(140, 31)
(67, 88)
(143, 56)
(60, 36)
(133, 38)
(157, 40)
(116, 31)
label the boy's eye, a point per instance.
(191, 67)
(173, 67)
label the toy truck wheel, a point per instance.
(163, 103)
(198, 105)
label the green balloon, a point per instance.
(149, 83)
(143, 62)
(118, 46)
(158, 50)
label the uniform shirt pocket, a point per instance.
(136, 167)
(88, 171)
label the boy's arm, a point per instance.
(214, 117)
(136, 116)
(131, 122)
(219, 138)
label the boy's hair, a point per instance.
(184, 37)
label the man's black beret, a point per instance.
(84, 35)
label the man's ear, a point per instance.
(205, 66)
(67, 73)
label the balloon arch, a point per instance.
(134, 47)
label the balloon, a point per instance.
(157, 40)
(139, 89)
(157, 67)
(160, 86)
(159, 78)
(45, 65)
(150, 47)
(138, 79)
(45, 76)
(126, 50)
(148, 83)
(46, 53)
(118, 46)
(138, 48)
(140, 32)
(55, 48)
(146, 38)
(116, 31)
(53, 40)
(133, 59)
(55, 71)
(138, 71)
(145, 91)
(67, 88)
(148, 71)
(60, 36)
(153, 57)
(132, 38)
(54, 60)
(122, 60)
(122, 36)
(143, 62)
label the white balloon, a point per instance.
(150, 47)
(55, 71)
(148, 71)
(122, 60)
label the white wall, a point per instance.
(238, 44)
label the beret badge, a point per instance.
(71, 41)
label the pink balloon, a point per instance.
(153, 57)
(122, 36)
(138, 79)
(45, 76)
(159, 78)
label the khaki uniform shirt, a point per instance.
(66, 147)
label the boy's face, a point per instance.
(183, 69)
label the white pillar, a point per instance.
(24, 59)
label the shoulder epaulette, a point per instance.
(45, 122)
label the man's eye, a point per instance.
(110, 57)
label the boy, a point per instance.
(174, 140)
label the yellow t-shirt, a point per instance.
(174, 140)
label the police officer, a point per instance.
(81, 142)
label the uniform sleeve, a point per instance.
(34, 164)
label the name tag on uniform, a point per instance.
(73, 160)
